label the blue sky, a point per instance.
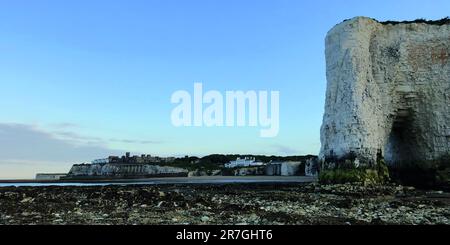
(95, 77)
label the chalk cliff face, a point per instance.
(120, 170)
(388, 92)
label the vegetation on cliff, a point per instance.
(217, 161)
(444, 21)
(378, 174)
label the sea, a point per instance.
(167, 181)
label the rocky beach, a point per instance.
(259, 204)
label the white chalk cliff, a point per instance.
(388, 91)
(119, 169)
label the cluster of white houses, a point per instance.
(244, 162)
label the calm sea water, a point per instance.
(190, 180)
(55, 184)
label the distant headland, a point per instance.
(147, 166)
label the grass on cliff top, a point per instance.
(441, 22)
(444, 21)
(217, 161)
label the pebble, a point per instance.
(308, 204)
(27, 200)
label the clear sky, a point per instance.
(86, 79)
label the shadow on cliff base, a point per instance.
(433, 174)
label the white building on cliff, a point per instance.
(244, 162)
